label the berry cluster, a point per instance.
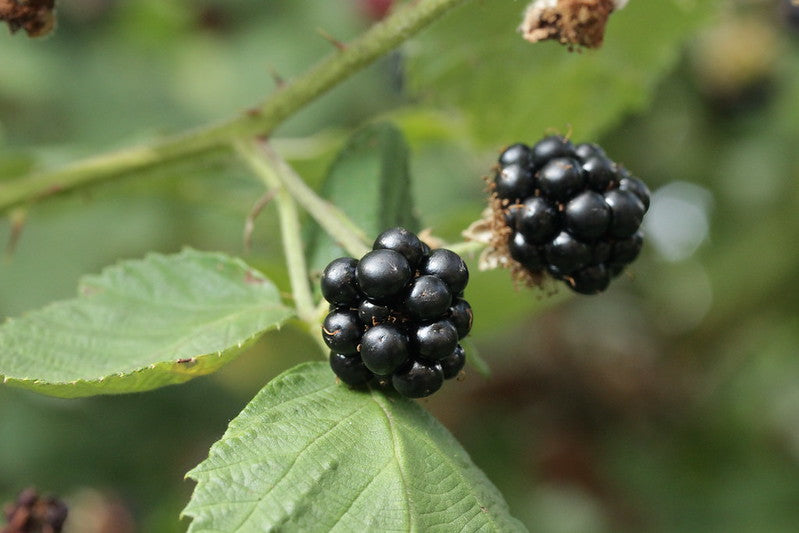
(397, 315)
(569, 211)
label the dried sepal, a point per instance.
(570, 22)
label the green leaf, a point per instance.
(141, 325)
(512, 90)
(370, 181)
(310, 454)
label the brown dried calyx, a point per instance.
(31, 513)
(36, 17)
(570, 22)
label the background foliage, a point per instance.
(667, 404)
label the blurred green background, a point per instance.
(668, 404)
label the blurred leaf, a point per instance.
(370, 181)
(141, 325)
(310, 454)
(512, 90)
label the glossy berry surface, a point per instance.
(567, 254)
(338, 284)
(395, 313)
(436, 340)
(418, 379)
(429, 298)
(560, 178)
(449, 267)
(460, 314)
(516, 154)
(580, 223)
(341, 331)
(537, 220)
(587, 216)
(590, 280)
(382, 274)
(403, 241)
(627, 212)
(372, 314)
(514, 182)
(383, 349)
(599, 172)
(525, 253)
(350, 369)
(550, 148)
(452, 364)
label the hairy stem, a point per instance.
(261, 120)
(289, 231)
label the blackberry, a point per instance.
(339, 286)
(525, 253)
(383, 349)
(402, 241)
(418, 379)
(372, 314)
(560, 178)
(576, 218)
(599, 172)
(461, 316)
(587, 216)
(452, 364)
(567, 254)
(429, 298)
(550, 148)
(436, 340)
(514, 182)
(537, 220)
(350, 369)
(382, 274)
(448, 266)
(396, 316)
(585, 150)
(516, 154)
(341, 331)
(627, 212)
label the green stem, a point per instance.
(466, 247)
(332, 219)
(261, 120)
(289, 231)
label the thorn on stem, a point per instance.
(249, 224)
(17, 219)
(332, 40)
(276, 77)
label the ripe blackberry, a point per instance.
(418, 379)
(397, 313)
(448, 266)
(341, 331)
(350, 369)
(461, 316)
(382, 274)
(560, 178)
(537, 220)
(587, 216)
(550, 148)
(514, 182)
(339, 286)
(429, 298)
(576, 219)
(452, 364)
(402, 241)
(383, 349)
(436, 340)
